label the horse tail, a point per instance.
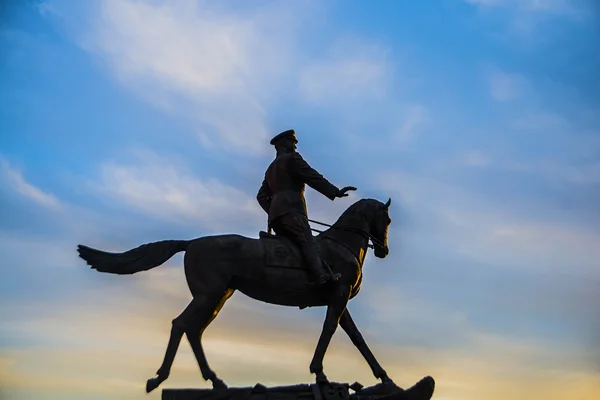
(142, 258)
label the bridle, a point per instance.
(362, 232)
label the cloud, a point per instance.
(115, 321)
(567, 8)
(581, 174)
(526, 16)
(481, 228)
(112, 331)
(14, 178)
(349, 73)
(201, 62)
(475, 159)
(111, 341)
(226, 70)
(399, 125)
(35, 250)
(110, 336)
(543, 121)
(413, 117)
(413, 324)
(160, 188)
(46, 8)
(486, 2)
(566, 148)
(544, 246)
(504, 86)
(564, 8)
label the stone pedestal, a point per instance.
(422, 390)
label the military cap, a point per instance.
(284, 135)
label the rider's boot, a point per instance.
(321, 270)
(327, 274)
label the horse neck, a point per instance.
(355, 241)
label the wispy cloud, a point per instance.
(567, 147)
(543, 121)
(14, 178)
(204, 63)
(475, 159)
(564, 8)
(526, 16)
(491, 283)
(484, 229)
(208, 63)
(351, 72)
(544, 246)
(505, 86)
(582, 173)
(165, 189)
(412, 118)
(100, 330)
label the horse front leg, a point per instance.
(334, 311)
(350, 328)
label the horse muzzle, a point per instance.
(381, 252)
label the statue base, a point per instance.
(422, 390)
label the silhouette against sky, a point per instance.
(126, 122)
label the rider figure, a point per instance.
(281, 195)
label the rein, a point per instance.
(344, 228)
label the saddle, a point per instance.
(281, 251)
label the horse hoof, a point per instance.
(387, 381)
(422, 390)
(152, 384)
(218, 384)
(322, 379)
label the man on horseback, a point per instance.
(281, 195)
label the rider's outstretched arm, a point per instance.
(300, 168)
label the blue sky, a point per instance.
(125, 122)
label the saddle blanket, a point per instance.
(281, 252)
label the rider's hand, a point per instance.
(342, 192)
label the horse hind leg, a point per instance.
(179, 326)
(194, 334)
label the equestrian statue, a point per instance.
(281, 195)
(290, 268)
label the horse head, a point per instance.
(380, 223)
(370, 218)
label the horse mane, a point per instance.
(362, 208)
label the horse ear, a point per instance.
(387, 205)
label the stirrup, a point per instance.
(331, 278)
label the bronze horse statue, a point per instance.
(216, 266)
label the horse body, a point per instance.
(240, 261)
(217, 266)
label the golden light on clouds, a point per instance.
(130, 121)
(108, 343)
